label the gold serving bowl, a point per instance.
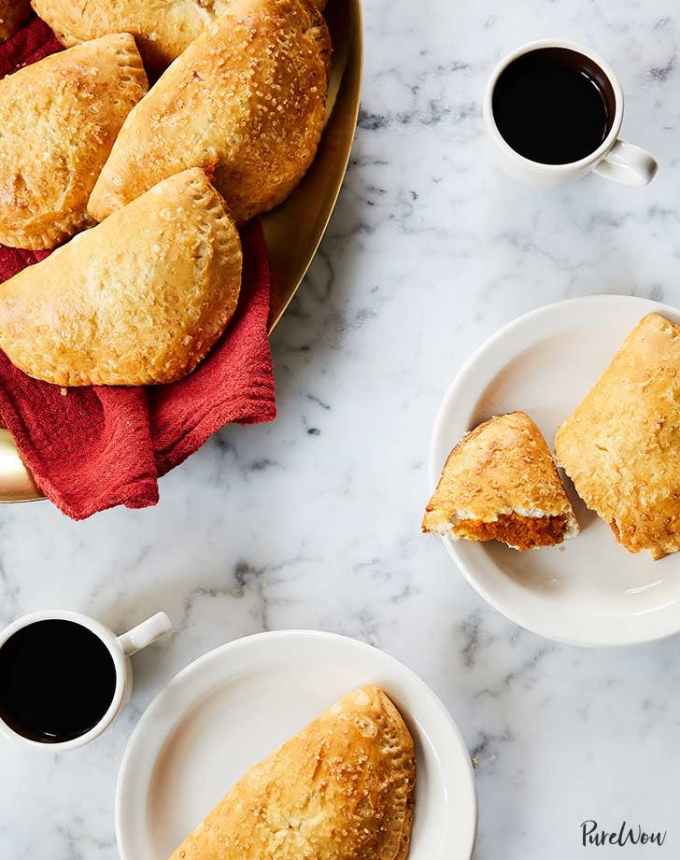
(294, 230)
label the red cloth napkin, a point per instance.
(94, 448)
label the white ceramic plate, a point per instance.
(590, 591)
(234, 705)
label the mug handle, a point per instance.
(145, 633)
(628, 164)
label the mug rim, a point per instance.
(109, 639)
(568, 166)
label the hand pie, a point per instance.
(621, 445)
(136, 300)
(13, 13)
(59, 118)
(245, 101)
(164, 28)
(342, 789)
(500, 483)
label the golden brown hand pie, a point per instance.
(621, 445)
(342, 789)
(164, 28)
(136, 300)
(58, 120)
(245, 101)
(13, 13)
(500, 483)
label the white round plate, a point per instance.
(589, 591)
(234, 705)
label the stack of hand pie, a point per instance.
(620, 447)
(226, 132)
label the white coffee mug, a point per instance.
(614, 158)
(120, 648)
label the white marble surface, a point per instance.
(314, 520)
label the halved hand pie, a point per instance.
(246, 101)
(621, 445)
(58, 120)
(342, 789)
(138, 299)
(500, 483)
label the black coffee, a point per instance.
(57, 680)
(553, 105)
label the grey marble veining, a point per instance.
(314, 520)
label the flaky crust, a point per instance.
(163, 28)
(621, 445)
(245, 101)
(139, 299)
(59, 118)
(13, 13)
(342, 789)
(501, 467)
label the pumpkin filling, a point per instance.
(516, 531)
